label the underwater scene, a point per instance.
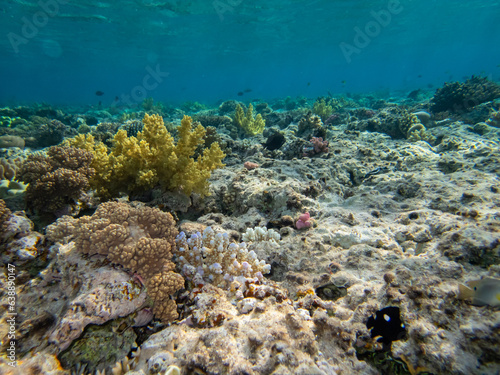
(246, 187)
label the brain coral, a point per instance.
(138, 238)
(56, 179)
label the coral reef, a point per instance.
(4, 215)
(134, 164)
(251, 125)
(494, 119)
(7, 141)
(317, 146)
(311, 125)
(395, 121)
(211, 257)
(138, 238)
(405, 232)
(9, 166)
(322, 109)
(459, 97)
(57, 179)
(51, 133)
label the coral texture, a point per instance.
(310, 124)
(137, 163)
(459, 97)
(138, 238)
(56, 179)
(7, 141)
(51, 133)
(4, 215)
(322, 109)
(9, 167)
(394, 121)
(211, 257)
(317, 146)
(247, 122)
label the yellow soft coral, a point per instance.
(250, 125)
(137, 163)
(322, 108)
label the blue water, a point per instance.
(62, 52)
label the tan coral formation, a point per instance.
(9, 167)
(138, 238)
(56, 179)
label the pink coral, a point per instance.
(249, 165)
(304, 221)
(318, 146)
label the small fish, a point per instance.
(343, 82)
(376, 171)
(248, 90)
(99, 93)
(483, 292)
(308, 83)
(386, 325)
(240, 93)
(419, 76)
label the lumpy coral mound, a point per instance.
(461, 97)
(56, 179)
(141, 239)
(152, 158)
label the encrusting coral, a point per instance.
(247, 122)
(56, 179)
(134, 164)
(138, 238)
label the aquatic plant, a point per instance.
(247, 122)
(135, 164)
